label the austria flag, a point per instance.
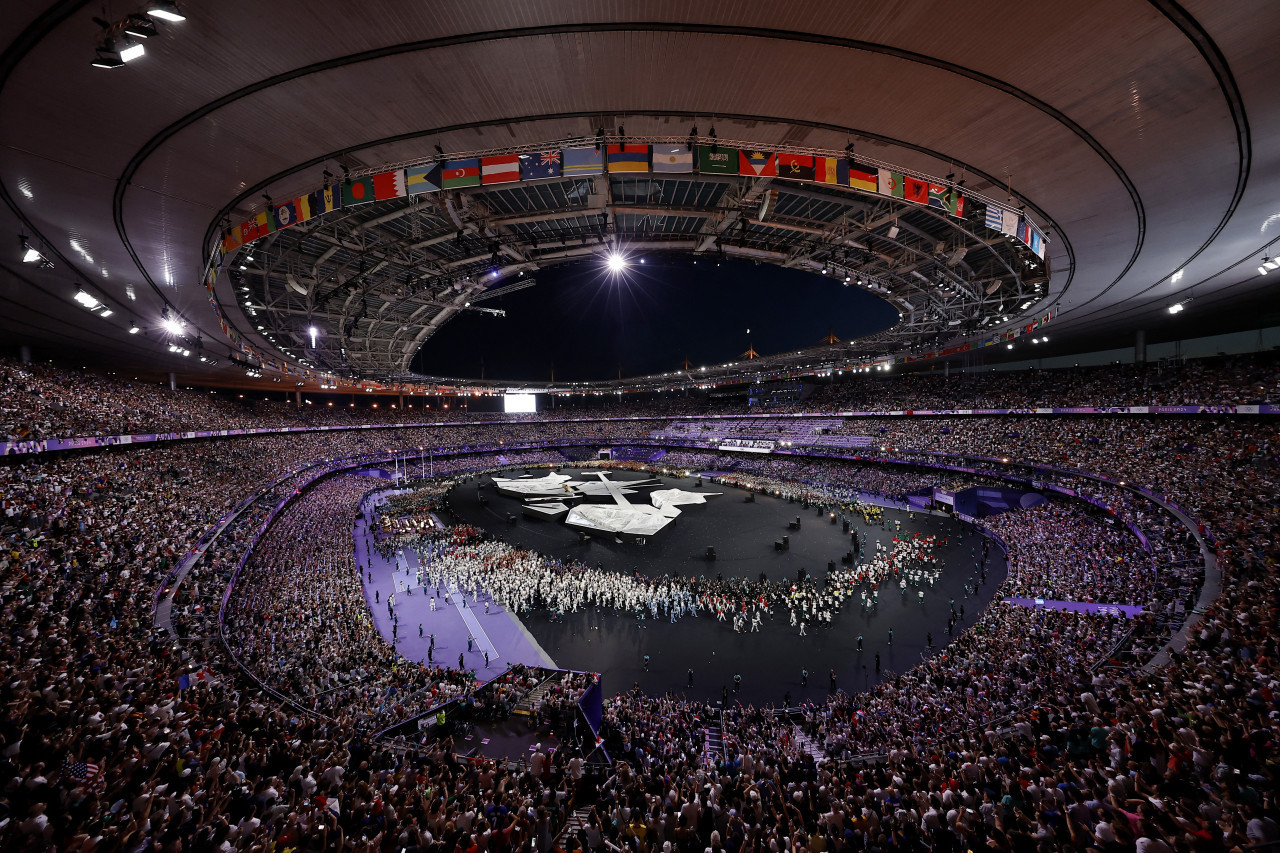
(502, 169)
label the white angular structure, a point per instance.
(665, 499)
(528, 487)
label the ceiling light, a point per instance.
(617, 263)
(165, 10)
(173, 325)
(86, 300)
(105, 312)
(1270, 264)
(133, 329)
(29, 255)
(893, 231)
(107, 60)
(1177, 307)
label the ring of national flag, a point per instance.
(662, 158)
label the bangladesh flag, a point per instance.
(717, 160)
(357, 191)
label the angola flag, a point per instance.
(796, 167)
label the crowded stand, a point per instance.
(299, 622)
(1031, 730)
(39, 401)
(1057, 553)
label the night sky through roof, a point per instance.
(590, 323)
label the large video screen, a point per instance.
(519, 403)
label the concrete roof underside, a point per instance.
(1145, 136)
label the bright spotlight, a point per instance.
(173, 325)
(165, 10)
(617, 263)
(313, 337)
(132, 52)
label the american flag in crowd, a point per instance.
(85, 771)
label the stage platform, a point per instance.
(743, 535)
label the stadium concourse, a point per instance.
(648, 427)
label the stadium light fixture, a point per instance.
(616, 263)
(107, 59)
(173, 325)
(140, 26)
(165, 10)
(133, 329)
(30, 255)
(313, 337)
(1176, 308)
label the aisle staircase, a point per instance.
(807, 744)
(529, 704)
(577, 820)
(713, 744)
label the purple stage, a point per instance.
(498, 632)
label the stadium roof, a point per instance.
(1137, 140)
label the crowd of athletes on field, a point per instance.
(115, 739)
